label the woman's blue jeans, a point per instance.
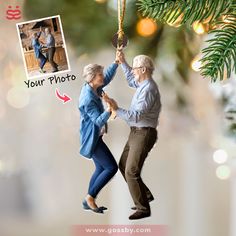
(105, 168)
(42, 59)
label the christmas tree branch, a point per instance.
(168, 11)
(220, 55)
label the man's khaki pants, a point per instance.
(136, 150)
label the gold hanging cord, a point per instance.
(121, 15)
(120, 40)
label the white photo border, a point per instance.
(64, 43)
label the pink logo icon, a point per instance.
(13, 14)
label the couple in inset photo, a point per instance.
(43, 46)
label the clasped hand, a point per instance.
(111, 103)
(120, 57)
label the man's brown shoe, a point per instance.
(149, 200)
(139, 215)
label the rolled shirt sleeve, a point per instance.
(129, 75)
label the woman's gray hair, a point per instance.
(90, 71)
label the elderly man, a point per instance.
(50, 44)
(142, 117)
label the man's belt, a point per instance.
(133, 128)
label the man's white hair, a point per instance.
(48, 29)
(90, 71)
(143, 61)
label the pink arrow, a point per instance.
(65, 98)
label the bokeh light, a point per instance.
(146, 27)
(220, 156)
(198, 27)
(18, 97)
(223, 172)
(196, 63)
(100, 1)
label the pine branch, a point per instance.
(220, 56)
(169, 11)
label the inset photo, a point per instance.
(43, 46)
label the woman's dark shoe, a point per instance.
(103, 208)
(87, 207)
(41, 70)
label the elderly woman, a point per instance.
(93, 124)
(37, 51)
